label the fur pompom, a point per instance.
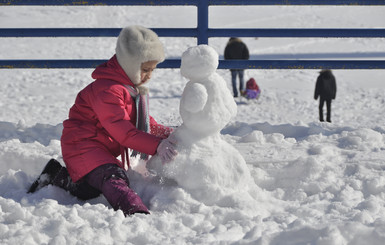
(142, 90)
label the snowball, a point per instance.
(255, 136)
(217, 111)
(199, 62)
(194, 98)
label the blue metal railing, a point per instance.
(202, 33)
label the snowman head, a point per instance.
(199, 62)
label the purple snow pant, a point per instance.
(109, 180)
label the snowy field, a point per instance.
(313, 183)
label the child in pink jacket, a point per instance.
(109, 116)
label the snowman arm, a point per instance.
(194, 97)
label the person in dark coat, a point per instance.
(236, 50)
(326, 89)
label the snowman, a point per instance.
(207, 167)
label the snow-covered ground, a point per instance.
(316, 183)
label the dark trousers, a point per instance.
(328, 109)
(234, 74)
(109, 180)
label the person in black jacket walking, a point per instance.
(236, 50)
(326, 89)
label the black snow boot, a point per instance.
(46, 177)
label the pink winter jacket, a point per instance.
(102, 121)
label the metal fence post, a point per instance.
(203, 20)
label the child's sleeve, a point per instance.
(159, 130)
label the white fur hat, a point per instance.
(136, 45)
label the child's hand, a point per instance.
(166, 150)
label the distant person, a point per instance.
(236, 50)
(252, 90)
(326, 89)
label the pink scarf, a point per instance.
(142, 119)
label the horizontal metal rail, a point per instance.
(223, 64)
(296, 32)
(193, 32)
(89, 32)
